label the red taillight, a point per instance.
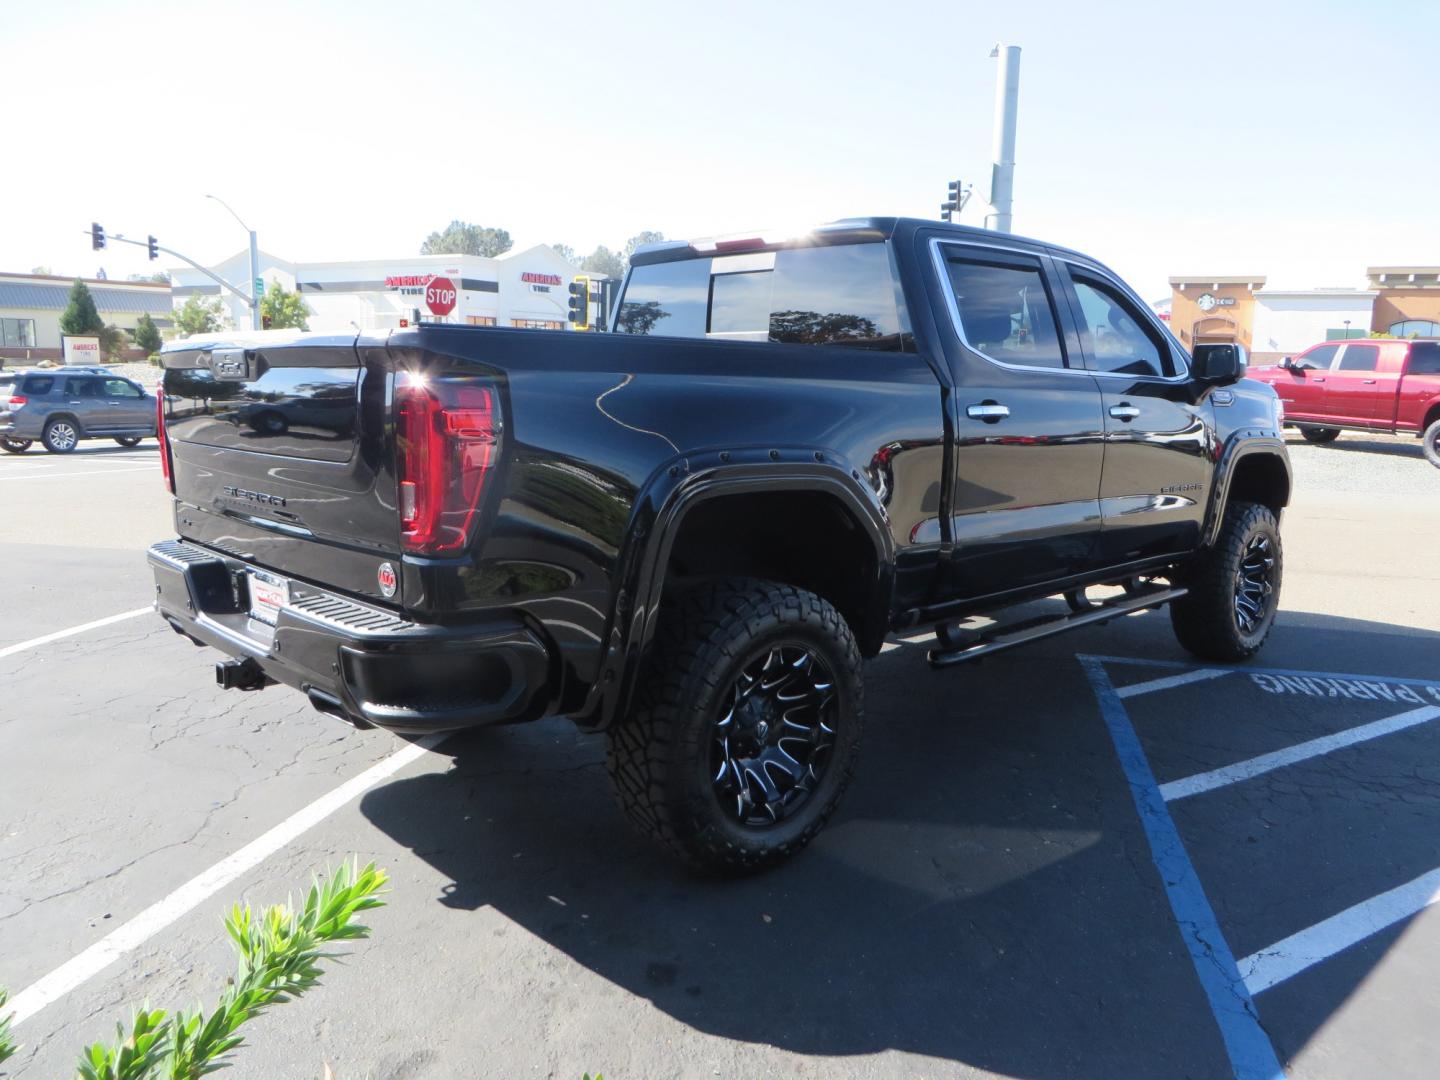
(446, 433)
(164, 436)
(17, 401)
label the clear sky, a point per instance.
(1292, 139)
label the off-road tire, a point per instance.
(1319, 435)
(1430, 441)
(1205, 619)
(14, 446)
(658, 755)
(61, 435)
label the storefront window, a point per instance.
(1415, 328)
(17, 333)
(537, 324)
(480, 320)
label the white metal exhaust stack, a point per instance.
(1002, 171)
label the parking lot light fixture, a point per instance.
(254, 298)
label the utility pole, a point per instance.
(1007, 103)
(255, 286)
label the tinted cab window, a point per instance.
(1319, 357)
(119, 388)
(1359, 358)
(838, 295)
(1117, 337)
(1004, 308)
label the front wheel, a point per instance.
(1234, 588)
(128, 440)
(1320, 435)
(14, 446)
(1432, 444)
(745, 725)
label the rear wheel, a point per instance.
(1320, 434)
(1234, 588)
(14, 446)
(1432, 444)
(60, 436)
(745, 725)
(128, 440)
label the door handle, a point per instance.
(77, 403)
(1318, 378)
(989, 411)
(1367, 382)
(1124, 411)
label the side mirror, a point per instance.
(1287, 362)
(1220, 364)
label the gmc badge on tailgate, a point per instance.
(230, 364)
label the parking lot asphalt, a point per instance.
(1096, 857)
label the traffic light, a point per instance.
(950, 208)
(153, 246)
(97, 236)
(580, 302)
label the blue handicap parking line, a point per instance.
(1252, 1056)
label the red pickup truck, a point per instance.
(1383, 385)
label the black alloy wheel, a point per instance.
(745, 725)
(771, 743)
(1254, 584)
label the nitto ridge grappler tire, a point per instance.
(1234, 588)
(744, 728)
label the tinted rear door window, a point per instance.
(1005, 309)
(39, 385)
(1359, 358)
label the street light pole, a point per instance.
(254, 264)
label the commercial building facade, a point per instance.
(31, 306)
(526, 288)
(1401, 301)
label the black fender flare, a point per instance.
(1237, 448)
(660, 510)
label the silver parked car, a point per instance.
(60, 406)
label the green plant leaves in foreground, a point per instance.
(279, 950)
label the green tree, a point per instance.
(114, 342)
(286, 310)
(158, 278)
(80, 315)
(147, 334)
(43, 271)
(197, 316)
(604, 261)
(462, 238)
(565, 251)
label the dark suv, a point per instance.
(60, 407)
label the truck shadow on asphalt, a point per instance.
(985, 894)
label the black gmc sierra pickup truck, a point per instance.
(687, 532)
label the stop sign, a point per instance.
(440, 295)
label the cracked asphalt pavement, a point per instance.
(985, 903)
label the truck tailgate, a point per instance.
(278, 452)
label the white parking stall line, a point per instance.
(35, 643)
(1272, 966)
(1257, 766)
(197, 890)
(1136, 689)
(87, 472)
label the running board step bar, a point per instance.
(959, 647)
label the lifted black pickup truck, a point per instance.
(687, 532)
